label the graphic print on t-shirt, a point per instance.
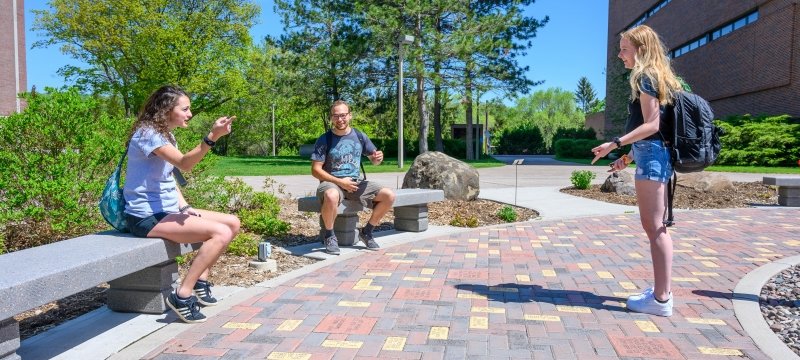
(345, 158)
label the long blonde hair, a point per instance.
(652, 62)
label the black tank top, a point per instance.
(636, 118)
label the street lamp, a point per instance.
(404, 40)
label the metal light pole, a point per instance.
(273, 129)
(404, 40)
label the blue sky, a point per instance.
(571, 45)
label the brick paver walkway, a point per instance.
(537, 290)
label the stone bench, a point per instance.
(410, 212)
(140, 272)
(788, 189)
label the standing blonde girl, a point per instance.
(653, 84)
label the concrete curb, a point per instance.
(748, 311)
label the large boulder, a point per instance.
(620, 182)
(705, 182)
(435, 170)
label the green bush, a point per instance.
(579, 133)
(575, 148)
(581, 179)
(459, 221)
(244, 244)
(507, 214)
(759, 141)
(524, 139)
(55, 157)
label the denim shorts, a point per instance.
(653, 161)
(142, 226)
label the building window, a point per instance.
(715, 34)
(648, 14)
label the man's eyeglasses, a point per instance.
(339, 116)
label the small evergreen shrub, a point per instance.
(507, 214)
(759, 140)
(575, 148)
(581, 179)
(524, 139)
(244, 244)
(460, 221)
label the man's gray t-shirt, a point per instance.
(149, 185)
(345, 155)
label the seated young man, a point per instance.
(338, 170)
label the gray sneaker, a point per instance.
(368, 240)
(332, 245)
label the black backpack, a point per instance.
(329, 143)
(695, 143)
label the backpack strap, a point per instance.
(329, 142)
(673, 182)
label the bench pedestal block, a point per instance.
(411, 218)
(344, 227)
(789, 196)
(143, 291)
(9, 339)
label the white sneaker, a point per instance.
(641, 295)
(649, 305)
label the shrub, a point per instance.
(55, 158)
(579, 133)
(575, 148)
(581, 179)
(759, 141)
(464, 222)
(524, 139)
(507, 214)
(244, 244)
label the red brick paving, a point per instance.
(530, 291)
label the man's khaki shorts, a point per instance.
(365, 194)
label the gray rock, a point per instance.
(705, 182)
(620, 182)
(435, 170)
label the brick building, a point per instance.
(741, 55)
(12, 55)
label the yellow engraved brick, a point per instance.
(342, 344)
(239, 325)
(757, 259)
(401, 261)
(312, 286)
(396, 254)
(473, 240)
(710, 264)
(439, 333)
(710, 251)
(353, 303)
(700, 273)
(584, 266)
(685, 279)
(523, 278)
(499, 240)
(792, 242)
(416, 278)
(771, 254)
(688, 239)
(624, 294)
(635, 255)
(763, 250)
(494, 252)
(288, 356)
(564, 245)
(542, 317)
(706, 321)
(686, 245)
(363, 282)
(448, 241)
(627, 285)
(542, 237)
(483, 246)
(428, 271)
(548, 231)
(577, 232)
(386, 274)
(721, 229)
(490, 310)
(682, 251)
(647, 326)
(567, 237)
(719, 351)
(516, 248)
(470, 256)
(478, 322)
(608, 231)
(548, 273)
(599, 243)
(623, 235)
(503, 289)
(574, 309)
(764, 238)
(472, 296)
(536, 245)
(421, 250)
(368, 288)
(705, 258)
(289, 325)
(604, 275)
(394, 343)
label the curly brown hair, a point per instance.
(154, 113)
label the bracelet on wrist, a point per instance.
(626, 159)
(184, 208)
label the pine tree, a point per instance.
(585, 96)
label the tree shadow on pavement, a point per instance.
(518, 293)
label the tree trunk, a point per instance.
(468, 102)
(423, 110)
(437, 115)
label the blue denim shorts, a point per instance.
(141, 226)
(653, 161)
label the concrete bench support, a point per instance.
(788, 189)
(410, 213)
(140, 272)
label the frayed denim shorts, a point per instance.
(653, 161)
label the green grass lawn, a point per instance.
(296, 165)
(718, 168)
